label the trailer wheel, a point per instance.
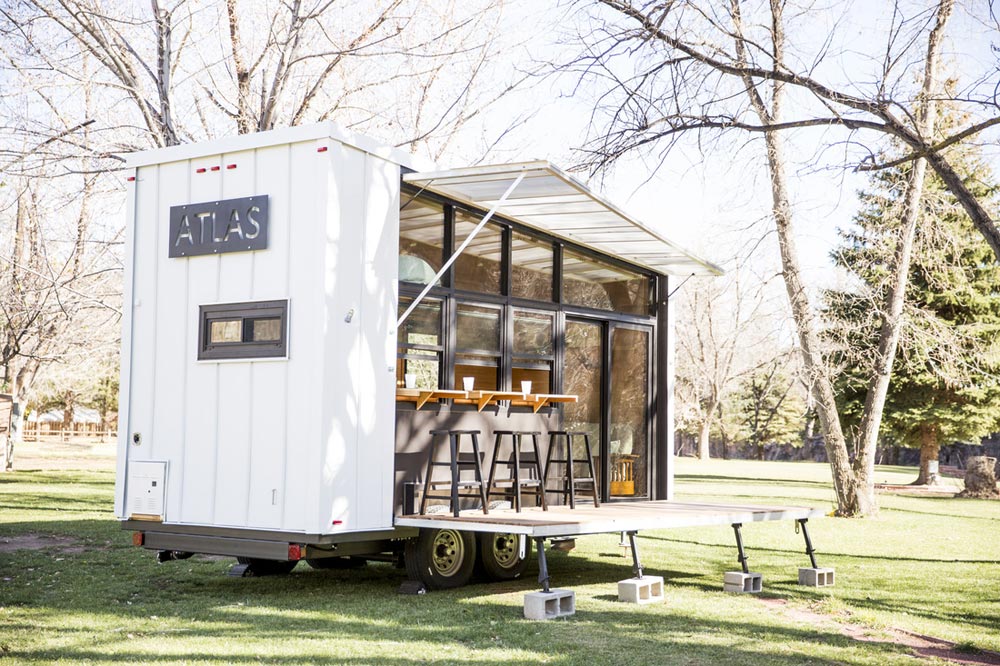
(260, 567)
(337, 562)
(500, 555)
(441, 559)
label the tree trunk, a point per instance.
(704, 452)
(930, 447)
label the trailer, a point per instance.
(305, 307)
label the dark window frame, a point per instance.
(407, 351)
(246, 348)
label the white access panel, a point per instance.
(146, 487)
(298, 444)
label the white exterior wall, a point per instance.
(303, 444)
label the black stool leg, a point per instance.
(453, 444)
(569, 470)
(479, 473)
(427, 476)
(590, 465)
(538, 471)
(493, 465)
(517, 472)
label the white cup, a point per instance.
(410, 379)
(525, 388)
(468, 383)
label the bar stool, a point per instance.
(456, 463)
(570, 481)
(515, 462)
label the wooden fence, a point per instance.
(77, 432)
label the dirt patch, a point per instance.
(59, 544)
(919, 645)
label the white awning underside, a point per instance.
(551, 201)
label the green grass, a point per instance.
(926, 565)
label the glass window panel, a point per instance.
(541, 380)
(628, 444)
(427, 369)
(485, 377)
(583, 376)
(530, 268)
(421, 240)
(226, 330)
(478, 267)
(594, 284)
(266, 330)
(423, 326)
(478, 328)
(533, 334)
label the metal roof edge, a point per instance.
(428, 178)
(282, 135)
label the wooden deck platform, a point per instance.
(561, 521)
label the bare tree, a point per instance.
(86, 80)
(720, 334)
(700, 67)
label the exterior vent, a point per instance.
(146, 490)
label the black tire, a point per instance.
(260, 567)
(441, 559)
(337, 562)
(499, 555)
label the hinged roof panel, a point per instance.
(551, 201)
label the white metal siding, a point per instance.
(280, 444)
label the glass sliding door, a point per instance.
(628, 435)
(583, 376)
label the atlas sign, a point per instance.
(215, 227)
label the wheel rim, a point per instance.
(505, 550)
(449, 552)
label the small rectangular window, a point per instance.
(243, 330)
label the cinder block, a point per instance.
(549, 605)
(822, 577)
(737, 581)
(645, 590)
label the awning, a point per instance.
(553, 202)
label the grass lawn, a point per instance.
(83, 594)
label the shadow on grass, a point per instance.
(280, 612)
(946, 515)
(682, 479)
(819, 552)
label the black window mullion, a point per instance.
(449, 245)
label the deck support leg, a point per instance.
(639, 589)
(814, 576)
(636, 565)
(741, 581)
(543, 566)
(742, 557)
(548, 603)
(810, 551)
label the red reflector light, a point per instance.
(322, 149)
(131, 178)
(338, 522)
(294, 551)
(230, 166)
(138, 538)
(216, 167)
(200, 170)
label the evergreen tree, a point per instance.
(946, 380)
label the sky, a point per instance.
(716, 203)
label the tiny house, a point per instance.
(305, 306)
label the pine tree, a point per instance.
(946, 380)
